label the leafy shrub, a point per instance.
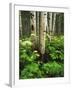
(26, 52)
(53, 69)
(55, 48)
(31, 71)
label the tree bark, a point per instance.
(37, 27)
(50, 24)
(33, 28)
(54, 22)
(43, 24)
(59, 24)
(33, 22)
(47, 23)
(20, 24)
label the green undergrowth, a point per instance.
(31, 64)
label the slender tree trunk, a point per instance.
(37, 23)
(37, 27)
(50, 24)
(20, 23)
(59, 24)
(54, 22)
(43, 24)
(47, 23)
(33, 22)
(33, 28)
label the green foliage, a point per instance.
(53, 69)
(55, 48)
(28, 59)
(31, 65)
(26, 52)
(31, 71)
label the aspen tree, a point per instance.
(42, 28)
(20, 23)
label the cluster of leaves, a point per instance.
(53, 69)
(26, 52)
(31, 71)
(55, 48)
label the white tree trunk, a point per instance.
(20, 24)
(59, 24)
(33, 22)
(54, 21)
(50, 22)
(43, 24)
(47, 23)
(37, 27)
(33, 28)
(50, 25)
